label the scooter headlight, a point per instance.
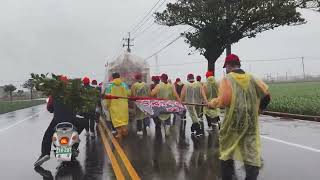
(64, 140)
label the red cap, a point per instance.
(164, 77)
(198, 78)
(155, 78)
(63, 78)
(178, 80)
(209, 73)
(138, 76)
(231, 58)
(94, 82)
(86, 81)
(190, 77)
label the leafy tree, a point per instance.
(29, 84)
(218, 23)
(20, 92)
(309, 4)
(9, 89)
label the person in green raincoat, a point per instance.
(243, 96)
(164, 90)
(211, 90)
(141, 89)
(193, 92)
(118, 108)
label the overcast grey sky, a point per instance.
(77, 37)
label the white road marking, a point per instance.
(291, 144)
(19, 122)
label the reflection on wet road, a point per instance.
(290, 151)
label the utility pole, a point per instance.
(128, 42)
(157, 64)
(303, 70)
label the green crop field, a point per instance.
(7, 106)
(297, 98)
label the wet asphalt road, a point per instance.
(290, 150)
(21, 134)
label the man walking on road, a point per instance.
(211, 90)
(193, 93)
(242, 95)
(178, 86)
(89, 116)
(164, 90)
(118, 108)
(141, 89)
(199, 109)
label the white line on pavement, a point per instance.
(21, 121)
(291, 144)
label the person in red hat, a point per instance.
(62, 112)
(91, 115)
(155, 80)
(164, 90)
(243, 96)
(211, 90)
(141, 89)
(193, 93)
(86, 81)
(94, 83)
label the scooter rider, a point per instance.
(61, 113)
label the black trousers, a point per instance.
(90, 124)
(91, 121)
(212, 121)
(142, 124)
(79, 124)
(228, 171)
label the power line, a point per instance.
(146, 18)
(179, 64)
(141, 32)
(203, 61)
(163, 48)
(164, 39)
(139, 27)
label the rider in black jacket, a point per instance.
(61, 113)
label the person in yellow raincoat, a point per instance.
(193, 92)
(211, 90)
(118, 108)
(141, 89)
(164, 90)
(243, 96)
(200, 109)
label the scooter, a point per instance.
(66, 142)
